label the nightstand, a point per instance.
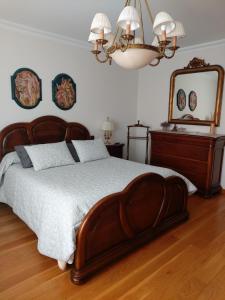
(115, 150)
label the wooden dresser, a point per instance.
(197, 156)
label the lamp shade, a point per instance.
(107, 125)
(101, 23)
(163, 22)
(178, 31)
(136, 56)
(93, 37)
(129, 15)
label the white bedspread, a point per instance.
(53, 202)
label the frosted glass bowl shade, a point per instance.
(163, 21)
(129, 15)
(135, 57)
(99, 23)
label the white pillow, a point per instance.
(44, 156)
(90, 150)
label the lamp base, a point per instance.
(107, 137)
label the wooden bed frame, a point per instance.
(118, 223)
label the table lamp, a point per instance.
(107, 127)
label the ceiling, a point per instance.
(204, 20)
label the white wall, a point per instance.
(153, 90)
(101, 90)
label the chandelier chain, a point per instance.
(142, 26)
(147, 2)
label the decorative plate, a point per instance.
(192, 100)
(26, 88)
(181, 99)
(64, 91)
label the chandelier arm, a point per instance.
(102, 61)
(123, 47)
(156, 64)
(102, 48)
(111, 50)
(169, 56)
(106, 50)
(162, 50)
(142, 26)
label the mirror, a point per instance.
(196, 94)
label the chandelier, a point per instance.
(127, 47)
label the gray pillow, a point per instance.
(23, 156)
(52, 155)
(90, 150)
(73, 151)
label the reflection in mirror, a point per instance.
(196, 94)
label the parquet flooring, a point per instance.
(188, 262)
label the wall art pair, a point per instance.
(27, 89)
(181, 100)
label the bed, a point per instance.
(121, 208)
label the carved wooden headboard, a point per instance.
(47, 129)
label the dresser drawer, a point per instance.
(185, 150)
(198, 157)
(196, 171)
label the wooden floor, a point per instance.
(188, 262)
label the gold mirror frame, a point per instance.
(197, 65)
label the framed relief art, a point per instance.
(181, 99)
(192, 100)
(64, 91)
(26, 88)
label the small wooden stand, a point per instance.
(146, 138)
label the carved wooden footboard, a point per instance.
(118, 223)
(121, 222)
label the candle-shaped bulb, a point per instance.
(101, 34)
(128, 28)
(163, 29)
(95, 46)
(174, 43)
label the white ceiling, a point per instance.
(204, 20)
